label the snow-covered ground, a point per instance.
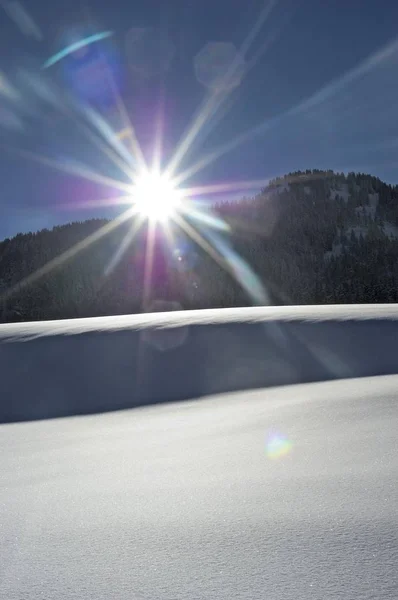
(341, 191)
(90, 365)
(337, 250)
(370, 209)
(280, 187)
(358, 231)
(374, 201)
(390, 230)
(285, 492)
(288, 493)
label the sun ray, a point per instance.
(311, 102)
(223, 149)
(268, 7)
(215, 99)
(70, 253)
(71, 169)
(124, 245)
(127, 124)
(228, 260)
(205, 217)
(221, 188)
(241, 271)
(202, 242)
(158, 140)
(203, 115)
(98, 203)
(272, 37)
(94, 137)
(120, 151)
(331, 88)
(168, 234)
(148, 266)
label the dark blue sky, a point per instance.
(319, 88)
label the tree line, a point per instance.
(313, 237)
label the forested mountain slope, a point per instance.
(311, 238)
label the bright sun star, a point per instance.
(155, 196)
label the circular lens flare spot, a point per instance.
(278, 445)
(155, 196)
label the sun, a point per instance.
(155, 196)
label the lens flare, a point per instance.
(97, 37)
(278, 445)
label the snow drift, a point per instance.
(82, 366)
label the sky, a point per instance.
(237, 91)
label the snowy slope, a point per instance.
(189, 500)
(81, 366)
(286, 493)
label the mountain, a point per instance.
(313, 237)
(330, 237)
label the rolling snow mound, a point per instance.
(60, 368)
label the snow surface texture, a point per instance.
(191, 500)
(369, 211)
(342, 192)
(81, 366)
(390, 230)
